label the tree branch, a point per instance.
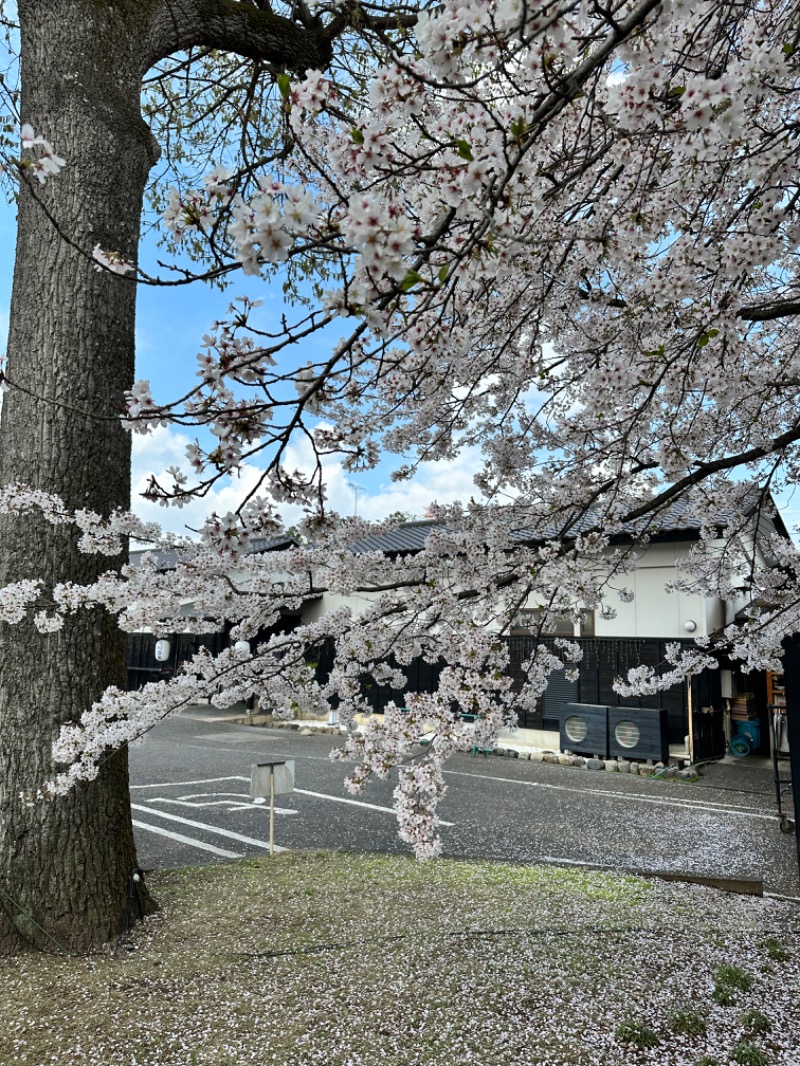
(231, 26)
(715, 466)
(356, 15)
(769, 312)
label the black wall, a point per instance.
(603, 660)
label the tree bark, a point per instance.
(232, 26)
(65, 864)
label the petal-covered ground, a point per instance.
(349, 960)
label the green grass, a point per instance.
(753, 1021)
(688, 1022)
(724, 996)
(638, 1034)
(746, 1054)
(733, 977)
(730, 980)
(776, 950)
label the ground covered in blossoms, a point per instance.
(352, 960)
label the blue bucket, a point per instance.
(740, 745)
(746, 738)
(751, 730)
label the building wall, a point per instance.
(653, 613)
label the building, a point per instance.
(693, 720)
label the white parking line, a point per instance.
(215, 830)
(299, 791)
(354, 803)
(692, 805)
(565, 862)
(186, 840)
(205, 781)
(230, 805)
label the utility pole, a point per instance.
(791, 677)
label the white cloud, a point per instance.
(164, 447)
(442, 482)
(152, 455)
(446, 481)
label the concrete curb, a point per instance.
(679, 769)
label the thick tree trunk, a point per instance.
(65, 864)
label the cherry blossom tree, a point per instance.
(563, 233)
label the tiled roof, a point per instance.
(168, 558)
(411, 537)
(165, 560)
(402, 539)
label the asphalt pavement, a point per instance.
(191, 781)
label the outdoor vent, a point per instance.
(584, 729)
(638, 733)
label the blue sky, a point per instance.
(170, 325)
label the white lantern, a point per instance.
(162, 651)
(242, 646)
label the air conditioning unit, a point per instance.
(584, 729)
(638, 733)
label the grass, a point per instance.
(730, 981)
(373, 960)
(746, 1054)
(639, 1034)
(733, 977)
(753, 1021)
(776, 950)
(688, 1022)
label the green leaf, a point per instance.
(284, 86)
(677, 90)
(411, 279)
(518, 128)
(788, 50)
(357, 135)
(443, 275)
(464, 149)
(713, 332)
(703, 340)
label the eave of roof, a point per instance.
(674, 524)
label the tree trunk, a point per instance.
(65, 864)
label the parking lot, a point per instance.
(191, 805)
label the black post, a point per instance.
(791, 677)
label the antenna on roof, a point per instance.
(356, 489)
